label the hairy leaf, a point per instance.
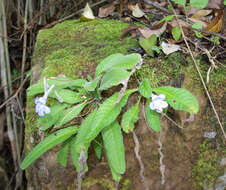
(97, 143)
(91, 85)
(152, 117)
(48, 143)
(114, 147)
(145, 88)
(66, 95)
(113, 78)
(107, 113)
(70, 114)
(179, 98)
(129, 118)
(118, 61)
(62, 155)
(59, 82)
(50, 119)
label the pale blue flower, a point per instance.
(40, 108)
(158, 103)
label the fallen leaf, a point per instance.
(216, 24)
(128, 30)
(87, 14)
(131, 7)
(137, 12)
(148, 43)
(107, 9)
(169, 48)
(146, 32)
(201, 13)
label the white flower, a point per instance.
(158, 102)
(40, 108)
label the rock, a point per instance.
(74, 49)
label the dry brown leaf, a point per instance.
(131, 7)
(216, 24)
(128, 30)
(107, 9)
(201, 13)
(147, 32)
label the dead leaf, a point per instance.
(137, 12)
(87, 14)
(216, 24)
(201, 13)
(131, 7)
(128, 30)
(107, 9)
(146, 32)
(169, 48)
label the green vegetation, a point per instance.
(206, 169)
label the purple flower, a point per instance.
(158, 102)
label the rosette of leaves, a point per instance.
(100, 126)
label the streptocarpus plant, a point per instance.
(100, 123)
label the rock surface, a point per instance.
(74, 49)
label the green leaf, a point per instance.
(152, 117)
(75, 154)
(197, 25)
(70, 114)
(104, 116)
(180, 2)
(84, 130)
(91, 85)
(224, 2)
(113, 78)
(50, 119)
(118, 61)
(97, 143)
(48, 143)
(66, 95)
(129, 118)
(114, 147)
(145, 88)
(176, 32)
(179, 98)
(62, 155)
(59, 82)
(148, 43)
(198, 3)
(167, 18)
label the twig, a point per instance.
(156, 5)
(25, 39)
(200, 75)
(172, 121)
(15, 95)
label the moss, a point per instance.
(206, 170)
